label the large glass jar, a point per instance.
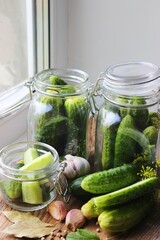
(59, 110)
(128, 119)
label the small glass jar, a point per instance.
(128, 118)
(30, 190)
(59, 110)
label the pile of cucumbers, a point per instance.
(118, 197)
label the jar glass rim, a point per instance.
(78, 77)
(21, 146)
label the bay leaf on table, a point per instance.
(16, 216)
(27, 225)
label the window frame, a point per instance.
(42, 16)
(13, 125)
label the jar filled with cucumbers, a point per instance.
(128, 119)
(59, 110)
(124, 186)
(31, 176)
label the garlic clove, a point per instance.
(69, 170)
(74, 219)
(57, 210)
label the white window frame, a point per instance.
(42, 34)
(13, 120)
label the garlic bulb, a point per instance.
(76, 166)
(82, 166)
(69, 170)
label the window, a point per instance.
(24, 40)
(24, 50)
(13, 42)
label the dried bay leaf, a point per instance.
(27, 225)
(21, 229)
(15, 216)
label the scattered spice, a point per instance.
(98, 230)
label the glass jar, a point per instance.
(59, 110)
(30, 190)
(128, 118)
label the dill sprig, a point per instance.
(147, 172)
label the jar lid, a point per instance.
(132, 73)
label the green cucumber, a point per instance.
(96, 205)
(108, 145)
(53, 130)
(110, 180)
(139, 112)
(30, 154)
(126, 194)
(40, 162)
(32, 192)
(124, 144)
(77, 110)
(126, 216)
(12, 188)
(123, 109)
(56, 80)
(154, 120)
(107, 126)
(77, 191)
(89, 210)
(151, 133)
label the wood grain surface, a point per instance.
(149, 229)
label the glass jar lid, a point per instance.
(133, 79)
(132, 73)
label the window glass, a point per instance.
(13, 43)
(24, 49)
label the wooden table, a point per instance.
(149, 229)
